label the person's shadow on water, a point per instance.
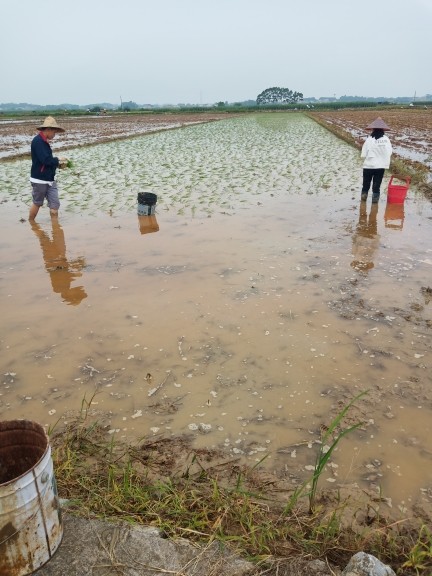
(62, 272)
(366, 239)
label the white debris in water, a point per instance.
(137, 414)
(294, 454)
(113, 288)
(213, 393)
(154, 429)
(193, 426)
(131, 357)
(418, 355)
(205, 427)
(51, 412)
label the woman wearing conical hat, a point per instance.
(376, 151)
(43, 169)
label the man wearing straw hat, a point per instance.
(43, 169)
(376, 151)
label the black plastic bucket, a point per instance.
(147, 198)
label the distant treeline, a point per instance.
(250, 106)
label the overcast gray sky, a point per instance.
(205, 51)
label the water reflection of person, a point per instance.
(148, 224)
(365, 239)
(61, 271)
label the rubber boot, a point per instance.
(364, 196)
(375, 198)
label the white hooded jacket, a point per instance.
(377, 153)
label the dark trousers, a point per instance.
(374, 175)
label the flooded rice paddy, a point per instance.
(247, 312)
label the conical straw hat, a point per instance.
(50, 122)
(378, 123)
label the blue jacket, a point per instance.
(44, 164)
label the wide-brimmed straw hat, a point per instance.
(378, 123)
(50, 122)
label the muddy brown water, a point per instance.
(249, 327)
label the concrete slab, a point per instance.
(100, 548)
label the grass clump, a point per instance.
(204, 496)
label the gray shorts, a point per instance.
(48, 191)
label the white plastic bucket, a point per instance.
(30, 518)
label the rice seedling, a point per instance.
(323, 456)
